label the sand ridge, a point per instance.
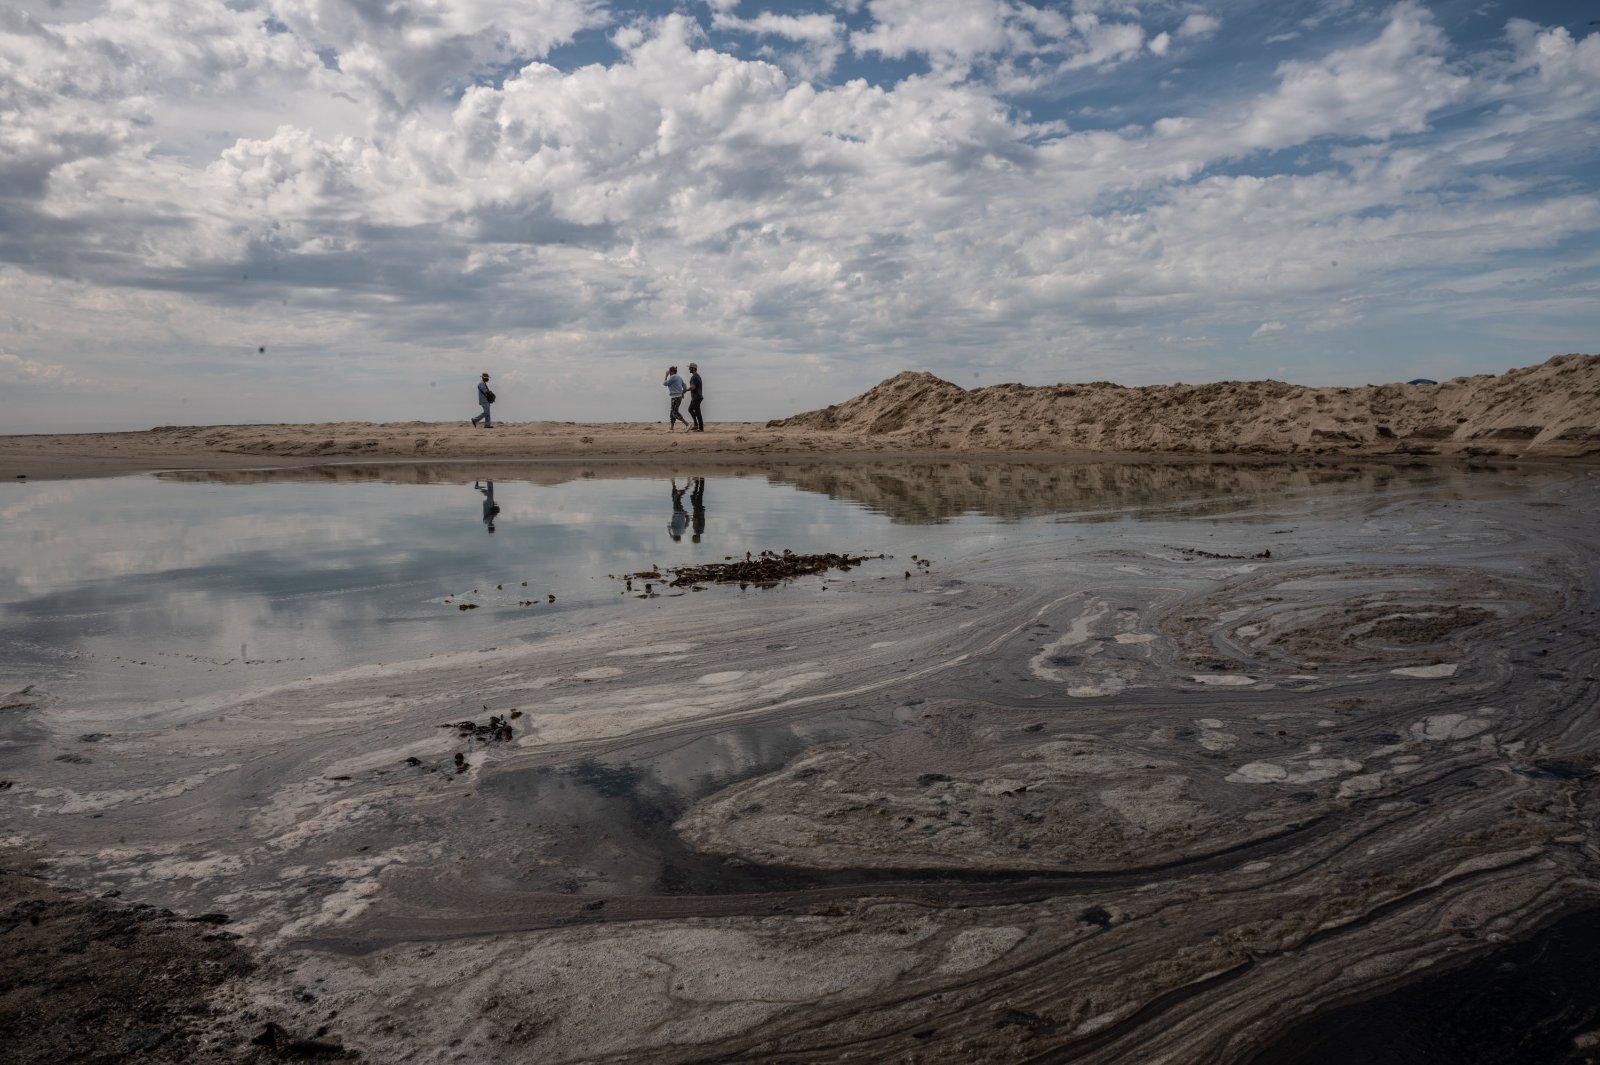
(1549, 409)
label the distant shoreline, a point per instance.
(1546, 412)
(618, 447)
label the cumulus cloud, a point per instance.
(410, 186)
(1390, 85)
(407, 51)
(1030, 44)
(819, 37)
(1199, 24)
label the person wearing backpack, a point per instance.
(485, 397)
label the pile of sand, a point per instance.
(1549, 409)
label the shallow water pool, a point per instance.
(134, 589)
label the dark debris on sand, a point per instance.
(766, 570)
(1195, 552)
(93, 979)
(96, 979)
(498, 728)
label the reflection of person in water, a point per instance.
(697, 503)
(680, 517)
(490, 508)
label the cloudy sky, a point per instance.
(390, 195)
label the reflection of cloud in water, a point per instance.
(168, 582)
(18, 500)
(129, 526)
(347, 564)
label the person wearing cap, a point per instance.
(485, 397)
(697, 392)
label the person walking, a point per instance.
(485, 397)
(697, 392)
(675, 388)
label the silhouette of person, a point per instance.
(485, 397)
(680, 517)
(675, 389)
(697, 395)
(490, 507)
(697, 504)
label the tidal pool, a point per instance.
(1150, 762)
(131, 589)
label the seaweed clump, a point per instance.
(498, 729)
(765, 570)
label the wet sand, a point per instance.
(550, 448)
(1149, 800)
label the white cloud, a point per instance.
(1390, 85)
(390, 215)
(820, 37)
(1199, 24)
(1266, 329)
(954, 34)
(409, 51)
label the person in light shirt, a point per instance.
(675, 388)
(485, 397)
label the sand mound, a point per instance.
(1549, 409)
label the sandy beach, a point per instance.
(1547, 411)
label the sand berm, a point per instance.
(1551, 410)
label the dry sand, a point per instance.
(1550, 410)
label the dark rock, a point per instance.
(276, 1039)
(1098, 916)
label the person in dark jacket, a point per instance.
(697, 392)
